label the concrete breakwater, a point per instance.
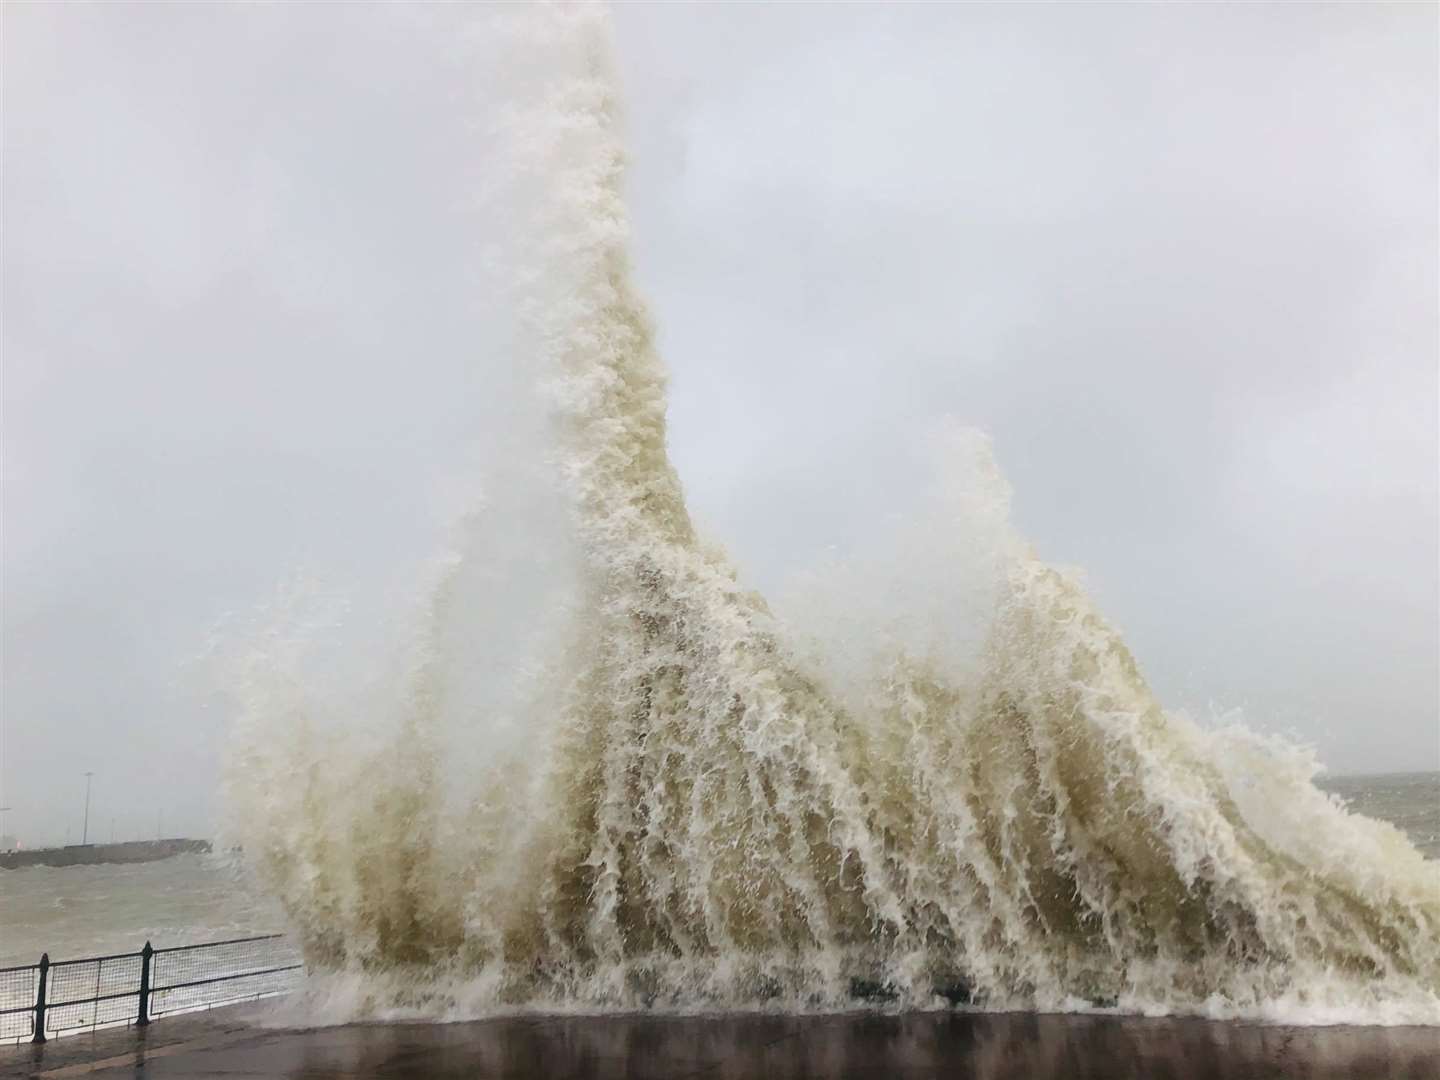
(132, 851)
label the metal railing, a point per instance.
(59, 997)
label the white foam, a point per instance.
(611, 782)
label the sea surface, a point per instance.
(1410, 801)
(77, 911)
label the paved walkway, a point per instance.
(226, 1043)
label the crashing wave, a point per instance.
(699, 814)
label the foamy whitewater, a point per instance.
(650, 791)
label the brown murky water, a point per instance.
(90, 910)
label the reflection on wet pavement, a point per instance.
(1016, 1046)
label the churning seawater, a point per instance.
(1410, 801)
(76, 911)
(605, 774)
(612, 776)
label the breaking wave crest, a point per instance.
(695, 808)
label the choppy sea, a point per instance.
(79, 911)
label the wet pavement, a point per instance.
(895, 1047)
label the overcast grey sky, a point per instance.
(1179, 261)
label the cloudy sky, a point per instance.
(1179, 261)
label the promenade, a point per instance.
(231, 1043)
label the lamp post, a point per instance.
(85, 831)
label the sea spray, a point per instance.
(690, 811)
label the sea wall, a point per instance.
(133, 851)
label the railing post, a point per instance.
(145, 955)
(40, 998)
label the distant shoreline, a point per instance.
(131, 851)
